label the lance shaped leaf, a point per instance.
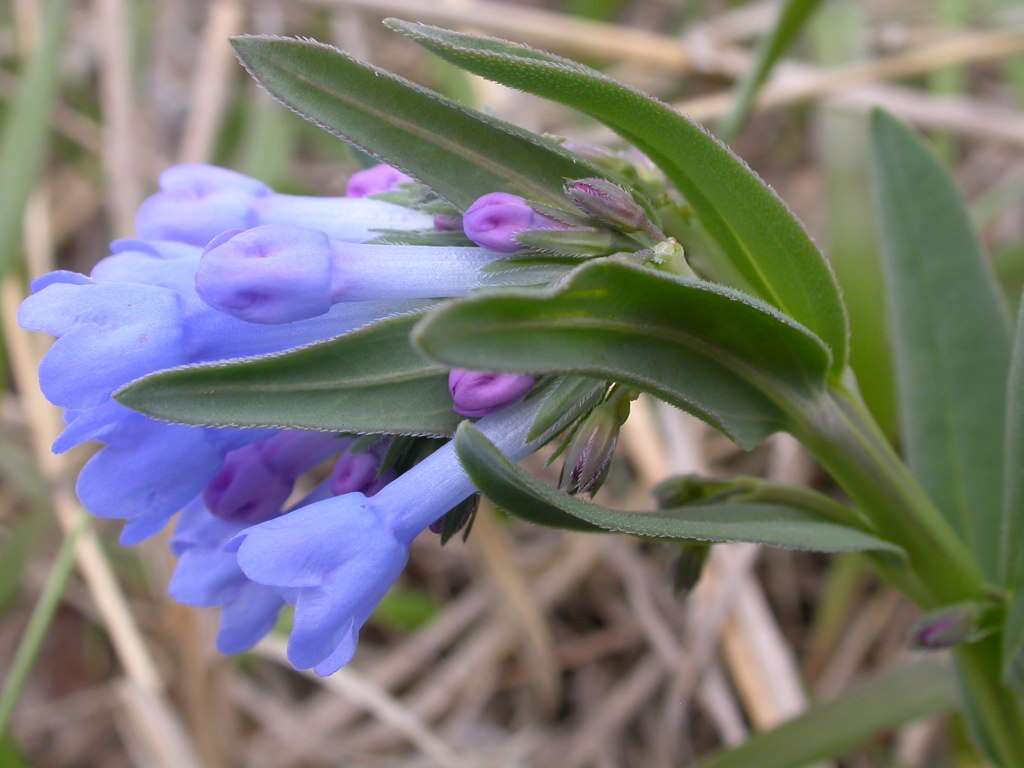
(1013, 513)
(460, 153)
(516, 491)
(370, 380)
(951, 337)
(719, 354)
(763, 239)
(835, 727)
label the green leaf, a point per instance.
(707, 349)
(38, 624)
(792, 17)
(834, 728)
(460, 153)
(566, 399)
(25, 133)
(1013, 512)
(516, 491)
(370, 380)
(766, 243)
(1013, 499)
(951, 338)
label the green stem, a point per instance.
(992, 710)
(842, 435)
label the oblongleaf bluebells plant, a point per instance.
(669, 269)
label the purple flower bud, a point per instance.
(495, 221)
(375, 180)
(609, 204)
(256, 480)
(359, 473)
(478, 393)
(948, 627)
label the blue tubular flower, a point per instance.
(340, 556)
(207, 576)
(256, 480)
(139, 312)
(197, 202)
(277, 274)
(147, 470)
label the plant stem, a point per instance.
(842, 435)
(992, 710)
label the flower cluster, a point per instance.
(225, 268)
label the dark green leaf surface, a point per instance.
(951, 339)
(833, 728)
(514, 490)
(370, 380)
(792, 17)
(1013, 513)
(766, 243)
(707, 349)
(461, 154)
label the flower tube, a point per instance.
(278, 274)
(340, 556)
(197, 202)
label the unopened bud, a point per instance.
(948, 627)
(375, 180)
(592, 445)
(610, 204)
(496, 220)
(478, 393)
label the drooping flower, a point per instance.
(375, 180)
(496, 220)
(139, 312)
(280, 273)
(208, 576)
(338, 557)
(478, 393)
(197, 202)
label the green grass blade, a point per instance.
(39, 622)
(26, 133)
(792, 18)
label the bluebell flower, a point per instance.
(208, 576)
(197, 202)
(360, 472)
(337, 558)
(139, 312)
(282, 273)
